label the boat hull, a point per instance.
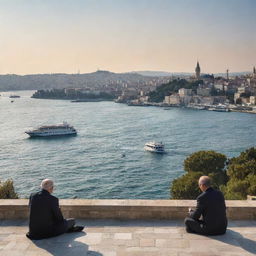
(33, 134)
(154, 150)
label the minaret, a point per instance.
(197, 71)
(254, 73)
(227, 74)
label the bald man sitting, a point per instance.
(45, 217)
(209, 217)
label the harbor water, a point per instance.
(106, 159)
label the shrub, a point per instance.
(7, 190)
(197, 164)
(242, 176)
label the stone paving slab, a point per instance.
(130, 238)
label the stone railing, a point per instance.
(126, 209)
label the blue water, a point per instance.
(91, 165)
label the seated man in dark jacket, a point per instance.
(212, 210)
(45, 217)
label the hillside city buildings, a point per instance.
(237, 92)
(233, 92)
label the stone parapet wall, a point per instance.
(126, 209)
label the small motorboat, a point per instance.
(155, 147)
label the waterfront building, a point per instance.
(220, 100)
(70, 91)
(253, 100)
(219, 87)
(203, 100)
(186, 100)
(143, 99)
(236, 97)
(230, 87)
(185, 92)
(240, 99)
(243, 89)
(173, 99)
(204, 92)
(128, 94)
(245, 100)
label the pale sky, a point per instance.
(64, 36)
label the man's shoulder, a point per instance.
(204, 195)
(201, 196)
(34, 194)
(51, 197)
(218, 193)
(208, 193)
(44, 195)
(54, 198)
(215, 191)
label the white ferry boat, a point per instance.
(154, 147)
(53, 130)
(196, 106)
(219, 108)
(14, 96)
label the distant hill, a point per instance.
(161, 73)
(96, 79)
(60, 81)
(184, 74)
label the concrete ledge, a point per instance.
(126, 209)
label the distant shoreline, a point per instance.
(149, 104)
(74, 100)
(163, 105)
(73, 95)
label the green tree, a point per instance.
(210, 163)
(186, 186)
(242, 176)
(7, 190)
(197, 164)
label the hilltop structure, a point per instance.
(198, 70)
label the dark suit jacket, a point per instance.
(45, 217)
(211, 207)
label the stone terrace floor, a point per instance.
(123, 238)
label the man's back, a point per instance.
(211, 205)
(209, 217)
(45, 218)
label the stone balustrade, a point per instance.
(127, 209)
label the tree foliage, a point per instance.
(206, 161)
(242, 176)
(197, 164)
(186, 186)
(7, 190)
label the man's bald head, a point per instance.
(47, 184)
(204, 182)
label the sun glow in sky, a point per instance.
(64, 36)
